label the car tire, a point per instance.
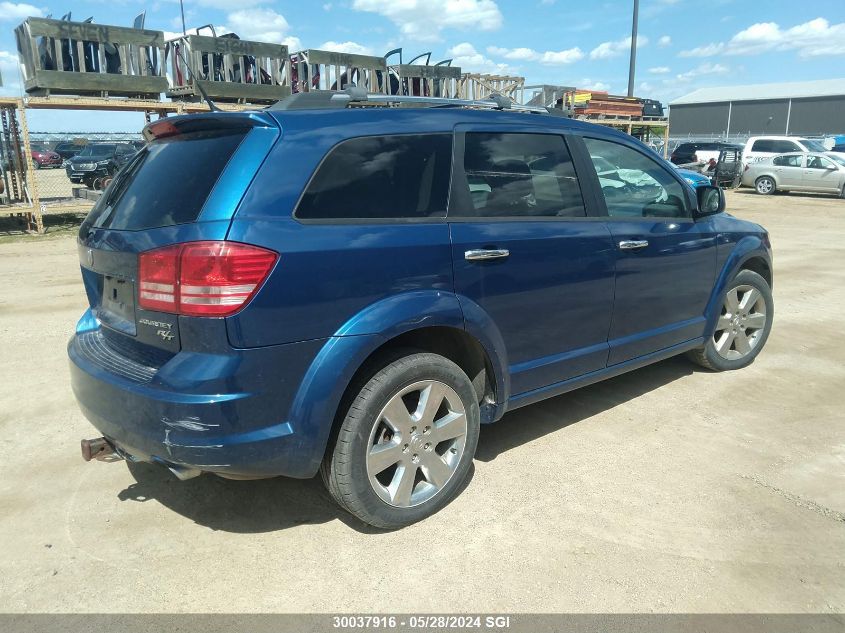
(765, 185)
(743, 326)
(423, 409)
(36, 164)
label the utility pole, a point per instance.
(633, 66)
(182, 9)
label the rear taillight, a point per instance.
(202, 278)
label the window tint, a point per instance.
(788, 161)
(785, 146)
(813, 146)
(380, 177)
(762, 146)
(167, 182)
(637, 186)
(818, 162)
(520, 175)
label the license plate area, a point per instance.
(117, 304)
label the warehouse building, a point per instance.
(807, 108)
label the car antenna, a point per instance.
(211, 105)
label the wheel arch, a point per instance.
(749, 253)
(430, 321)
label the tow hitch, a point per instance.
(96, 448)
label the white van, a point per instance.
(759, 147)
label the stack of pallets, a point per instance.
(596, 103)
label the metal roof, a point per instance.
(787, 90)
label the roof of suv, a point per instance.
(377, 120)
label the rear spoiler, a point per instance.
(172, 126)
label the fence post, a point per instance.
(31, 183)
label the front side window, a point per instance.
(793, 160)
(381, 177)
(520, 175)
(785, 146)
(636, 186)
(818, 162)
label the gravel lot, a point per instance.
(667, 489)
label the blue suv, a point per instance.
(320, 287)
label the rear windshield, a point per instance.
(167, 182)
(97, 150)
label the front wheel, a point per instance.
(765, 185)
(407, 442)
(36, 164)
(743, 325)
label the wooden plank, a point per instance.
(231, 90)
(227, 45)
(315, 56)
(61, 29)
(75, 83)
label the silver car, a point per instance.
(797, 171)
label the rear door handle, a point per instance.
(632, 245)
(483, 254)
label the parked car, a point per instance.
(760, 147)
(797, 172)
(355, 297)
(699, 152)
(68, 150)
(695, 178)
(44, 158)
(98, 161)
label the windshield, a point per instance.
(813, 146)
(836, 159)
(97, 150)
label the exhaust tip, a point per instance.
(184, 473)
(96, 448)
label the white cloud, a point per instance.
(9, 70)
(263, 25)
(606, 50)
(346, 47)
(659, 70)
(17, 11)
(665, 40)
(293, 43)
(550, 58)
(810, 39)
(423, 20)
(589, 84)
(327, 6)
(708, 50)
(469, 59)
(703, 69)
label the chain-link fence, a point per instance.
(71, 168)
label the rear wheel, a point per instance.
(406, 444)
(36, 164)
(765, 185)
(743, 325)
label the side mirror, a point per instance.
(831, 167)
(711, 200)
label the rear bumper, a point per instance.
(217, 412)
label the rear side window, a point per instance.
(520, 175)
(167, 182)
(381, 177)
(787, 161)
(774, 146)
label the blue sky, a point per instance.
(683, 44)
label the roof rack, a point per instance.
(355, 96)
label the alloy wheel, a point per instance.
(741, 324)
(416, 443)
(764, 185)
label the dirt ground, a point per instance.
(667, 489)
